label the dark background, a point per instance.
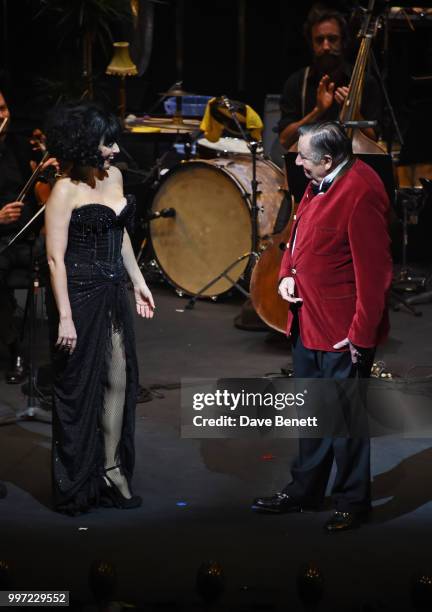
(274, 48)
(198, 41)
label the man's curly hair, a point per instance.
(75, 130)
(319, 13)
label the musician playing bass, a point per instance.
(317, 92)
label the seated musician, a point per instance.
(317, 92)
(14, 171)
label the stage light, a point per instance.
(421, 591)
(310, 584)
(210, 581)
(102, 580)
(5, 575)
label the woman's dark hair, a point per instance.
(328, 138)
(320, 13)
(74, 132)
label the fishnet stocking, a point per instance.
(112, 418)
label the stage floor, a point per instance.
(197, 493)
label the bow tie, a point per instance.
(316, 188)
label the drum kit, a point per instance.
(223, 205)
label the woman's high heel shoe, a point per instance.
(112, 493)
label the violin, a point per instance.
(42, 188)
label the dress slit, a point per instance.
(95, 387)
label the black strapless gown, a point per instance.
(100, 305)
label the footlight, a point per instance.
(102, 580)
(210, 581)
(5, 575)
(310, 584)
(421, 591)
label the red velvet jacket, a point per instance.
(341, 262)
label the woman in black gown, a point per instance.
(90, 256)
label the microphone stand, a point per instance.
(253, 147)
(32, 411)
(155, 174)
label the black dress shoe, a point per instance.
(280, 503)
(342, 521)
(17, 373)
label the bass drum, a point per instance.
(212, 226)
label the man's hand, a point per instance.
(325, 94)
(51, 162)
(286, 290)
(340, 94)
(354, 352)
(11, 212)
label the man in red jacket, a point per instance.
(336, 273)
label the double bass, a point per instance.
(268, 304)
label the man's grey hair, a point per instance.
(327, 138)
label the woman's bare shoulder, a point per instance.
(63, 185)
(63, 193)
(115, 175)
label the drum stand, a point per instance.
(253, 147)
(412, 201)
(417, 199)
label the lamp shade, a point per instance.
(121, 63)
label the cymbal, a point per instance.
(185, 125)
(177, 92)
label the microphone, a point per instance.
(360, 124)
(165, 212)
(231, 105)
(124, 167)
(227, 103)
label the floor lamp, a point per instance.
(121, 65)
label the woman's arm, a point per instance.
(143, 298)
(57, 217)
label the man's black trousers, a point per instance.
(311, 469)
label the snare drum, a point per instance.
(224, 147)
